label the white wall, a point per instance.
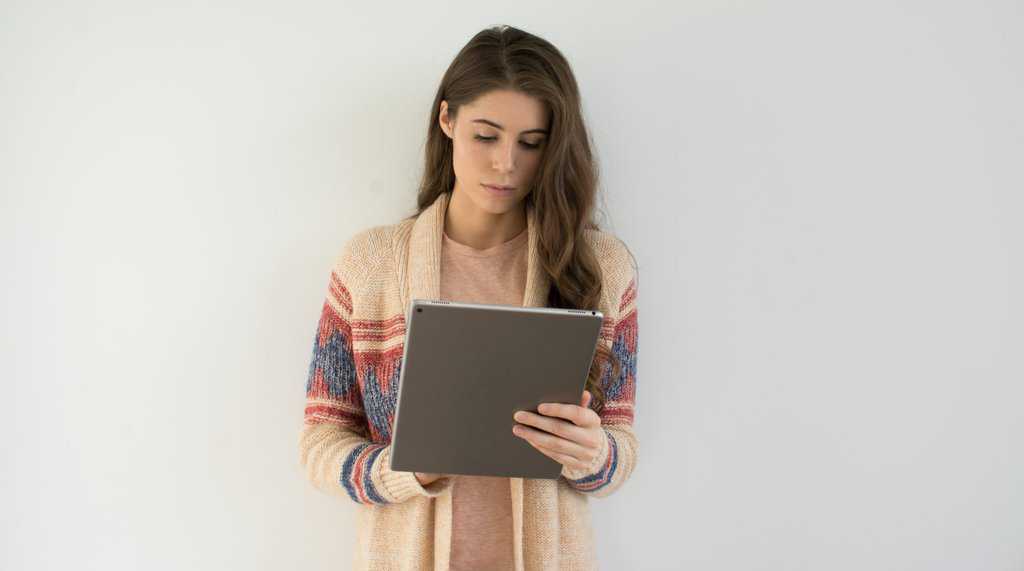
(824, 198)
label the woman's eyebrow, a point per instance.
(497, 126)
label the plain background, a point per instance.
(824, 199)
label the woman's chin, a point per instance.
(498, 205)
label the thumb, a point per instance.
(587, 397)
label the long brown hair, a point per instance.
(565, 186)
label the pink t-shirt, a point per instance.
(482, 505)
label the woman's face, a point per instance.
(498, 139)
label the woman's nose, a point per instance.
(505, 158)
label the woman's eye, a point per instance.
(489, 139)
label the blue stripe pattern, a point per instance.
(380, 405)
(627, 362)
(366, 482)
(335, 360)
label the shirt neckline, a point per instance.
(467, 250)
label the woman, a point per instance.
(504, 216)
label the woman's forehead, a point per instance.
(508, 111)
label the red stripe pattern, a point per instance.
(354, 389)
(620, 392)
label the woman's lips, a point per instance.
(499, 191)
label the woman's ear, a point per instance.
(442, 118)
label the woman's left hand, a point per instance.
(569, 434)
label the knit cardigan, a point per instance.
(352, 389)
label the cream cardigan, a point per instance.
(351, 391)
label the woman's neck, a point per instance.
(467, 224)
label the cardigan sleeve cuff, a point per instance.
(596, 465)
(400, 486)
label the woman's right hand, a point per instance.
(426, 478)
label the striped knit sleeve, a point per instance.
(334, 449)
(614, 464)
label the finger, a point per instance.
(555, 426)
(577, 415)
(587, 397)
(551, 442)
(566, 460)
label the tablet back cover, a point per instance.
(467, 368)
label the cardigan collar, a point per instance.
(424, 257)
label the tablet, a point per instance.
(467, 368)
